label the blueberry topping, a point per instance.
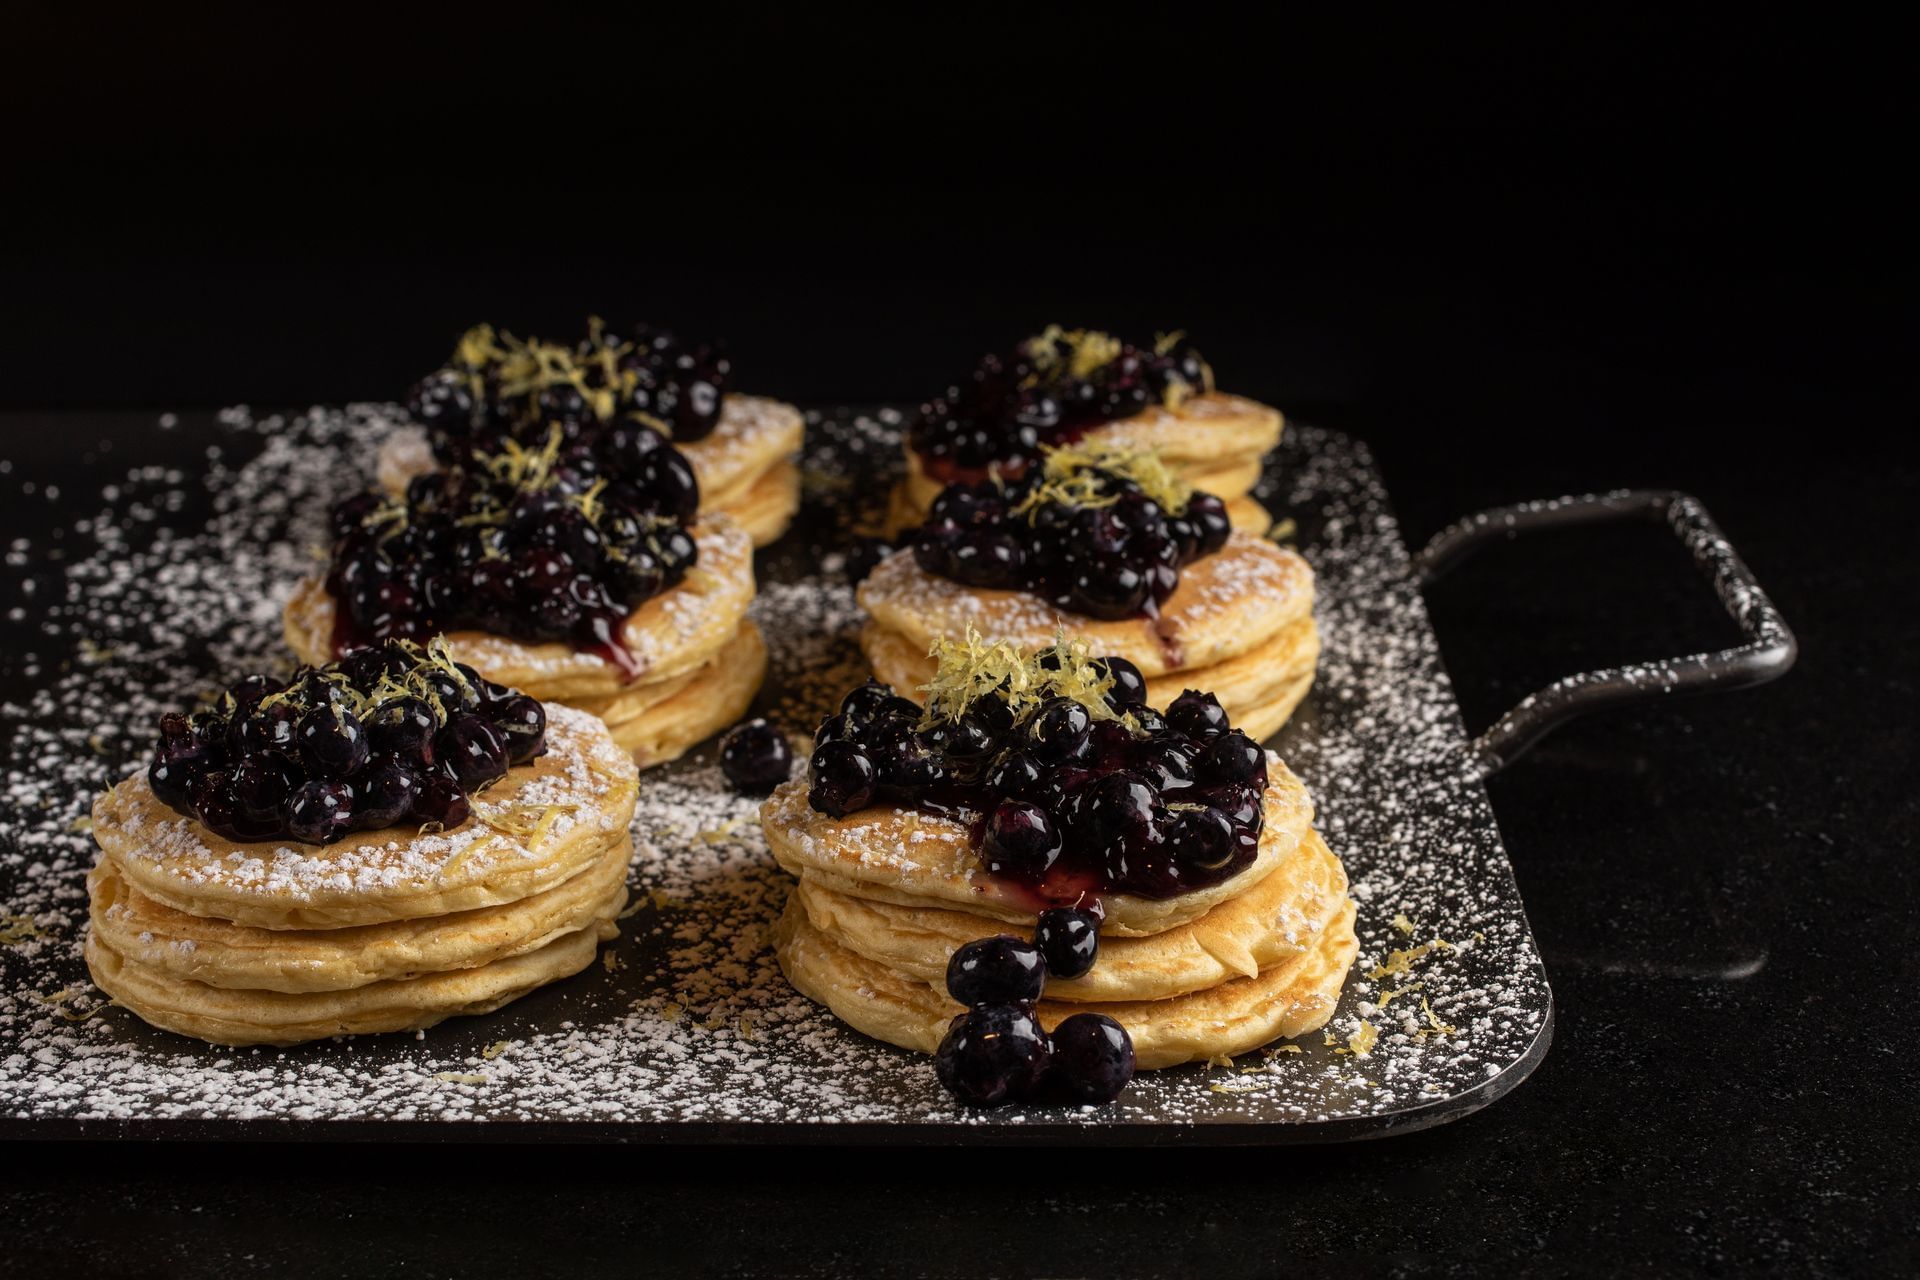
(992, 1055)
(1069, 939)
(1129, 686)
(997, 970)
(843, 779)
(607, 388)
(387, 736)
(1082, 532)
(1049, 390)
(534, 543)
(755, 757)
(1068, 794)
(1092, 1057)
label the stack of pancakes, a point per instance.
(1239, 626)
(1215, 442)
(886, 896)
(746, 466)
(276, 943)
(702, 660)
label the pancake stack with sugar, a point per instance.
(1165, 866)
(376, 846)
(548, 572)
(1111, 545)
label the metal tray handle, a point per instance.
(1768, 653)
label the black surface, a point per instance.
(1558, 257)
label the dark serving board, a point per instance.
(123, 601)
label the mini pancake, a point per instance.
(674, 632)
(1214, 441)
(541, 825)
(766, 507)
(916, 859)
(705, 702)
(744, 466)
(1258, 689)
(219, 953)
(1233, 1017)
(1227, 604)
(1272, 923)
(238, 1017)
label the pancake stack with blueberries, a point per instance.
(1112, 545)
(1044, 881)
(374, 845)
(497, 388)
(578, 572)
(1066, 385)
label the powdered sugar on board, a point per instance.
(687, 1019)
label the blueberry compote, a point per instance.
(529, 544)
(1050, 389)
(497, 388)
(1098, 531)
(391, 734)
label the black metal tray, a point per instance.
(687, 1033)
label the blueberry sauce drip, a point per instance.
(391, 734)
(536, 545)
(1102, 533)
(1050, 389)
(496, 388)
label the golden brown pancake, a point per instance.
(918, 859)
(1290, 999)
(541, 825)
(1271, 923)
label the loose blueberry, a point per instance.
(755, 757)
(993, 1055)
(1092, 1058)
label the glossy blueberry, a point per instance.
(442, 801)
(843, 779)
(1233, 757)
(993, 1055)
(1020, 838)
(319, 812)
(755, 757)
(1129, 686)
(1058, 731)
(1201, 838)
(522, 721)
(471, 751)
(332, 742)
(387, 794)
(1069, 939)
(996, 970)
(1092, 1059)
(1196, 714)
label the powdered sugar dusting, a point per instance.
(688, 1020)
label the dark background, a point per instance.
(1553, 254)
